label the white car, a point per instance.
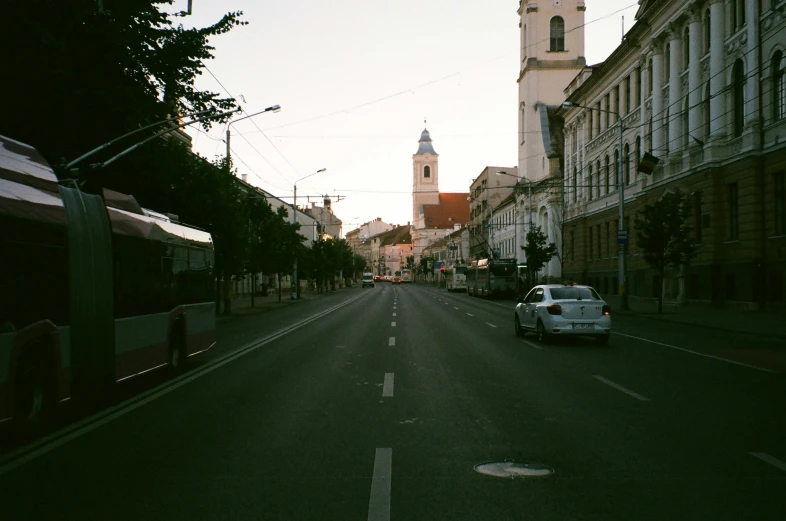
(552, 310)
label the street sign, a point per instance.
(453, 248)
(622, 237)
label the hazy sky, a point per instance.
(355, 80)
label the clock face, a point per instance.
(557, 3)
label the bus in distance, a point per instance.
(492, 278)
(406, 275)
(456, 278)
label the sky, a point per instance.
(356, 79)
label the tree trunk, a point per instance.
(278, 276)
(660, 290)
(253, 288)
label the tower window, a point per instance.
(426, 171)
(557, 40)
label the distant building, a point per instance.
(389, 250)
(505, 235)
(328, 224)
(434, 214)
(486, 192)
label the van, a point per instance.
(368, 279)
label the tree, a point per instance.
(664, 235)
(537, 251)
(411, 262)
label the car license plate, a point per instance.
(583, 326)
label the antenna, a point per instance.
(623, 28)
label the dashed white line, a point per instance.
(392, 341)
(536, 346)
(470, 314)
(392, 324)
(490, 324)
(379, 502)
(775, 462)
(695, 352)
(620, 388)
(387, 386)
(394, 314)
(454, 307)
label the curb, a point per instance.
(699, 324)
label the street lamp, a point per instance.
(274, 108)
(294, 295)
(621, 232)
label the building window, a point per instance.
(638, 152)
(575, 185)
(706, 109)
(607, 112)
(617, 104)
(738, 86)
(608, 241)
(597, 234)
(590, 122)
(523, 136)
(685, 125)
(572, 245)
(737, 15)
(606, 173)
(617, 175)
(697, 216)
(734, 230)
(557, 40)
(667, 64)
(589, 181)
(779, 85)
(426, 171)
(627, 95)
(707, 31)
(638, 87)
(627, 164)
(780, 203)
(591, 243)
(685, 48)
(598, 176)
(649, 76)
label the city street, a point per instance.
(378, 404)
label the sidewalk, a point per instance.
(241, 305)
(759, 323)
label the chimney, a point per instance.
(244, 177)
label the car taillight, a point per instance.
(607, 310)
(554, 309)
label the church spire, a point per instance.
(424, 145)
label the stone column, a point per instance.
(717, 76)
(657, 97)
(602, 115)
(694, 73)
(752, 84)
(675, 89)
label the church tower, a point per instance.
(425, 178)
(552, 54)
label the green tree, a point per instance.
(411, 262)
(664, 235)
(537, 251)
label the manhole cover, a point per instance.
(511, 469)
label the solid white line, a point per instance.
(775, 462)
(696, 352)
(536, 346)
(379, 502)
(392, 324)
(620, 388)
(470, 314)
(59, 438)
(392, 341)
(490, 324)
(387, 387)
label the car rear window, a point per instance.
(573, 293)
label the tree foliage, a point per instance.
(664, 235)
(537, 251)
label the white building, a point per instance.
(552, 54)
(506, 233)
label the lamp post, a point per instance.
(294, 294)
(274, 108)
(621, 232)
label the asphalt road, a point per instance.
(378, 404)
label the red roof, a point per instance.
(452, 209)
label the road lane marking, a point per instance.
(387, 387)
(57, 439)
(620, 388)
(379, 502)
(695, 352)
(454, 307)
(536, 346)
(392, 341)
(775, 462)
(490, 324)
(470, 314)
(394, 314)
(392, 324)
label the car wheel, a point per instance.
(602, 340)
(517, 325)
(542, 335)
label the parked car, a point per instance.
(552, 310)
